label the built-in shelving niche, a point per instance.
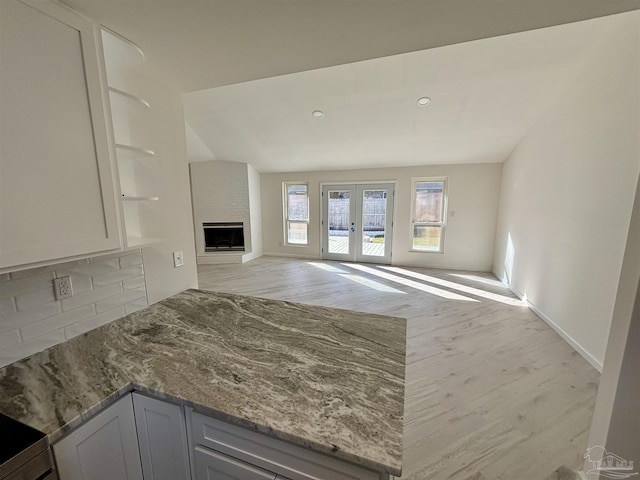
(132, 126)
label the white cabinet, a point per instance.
(57, 190)
(162, 437)
(104, 448)
(140, 437)
(214, 441)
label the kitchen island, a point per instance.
(325, 379)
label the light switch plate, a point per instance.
(63, 287)
(178, 261)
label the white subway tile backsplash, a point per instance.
(117, 276)
(118, 300)
(31, 272)
(96, 268)
(26, 349)
(9, 339)
(92, 296)
(7, 305)
(28, 315)
(38, 329)
(80, 283)
(136, 305)
(94, 322)
(105, 288)
(35, 298)
(23, 285)
(46, 269)
(130, 260)
(109, 256)
(133, 283)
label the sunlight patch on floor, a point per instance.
(456, 286)
(367, 282)
(328, 268)
(410, 283)
(487, 281)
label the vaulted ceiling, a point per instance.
(198, 44)
(253, 72)
(484, 94)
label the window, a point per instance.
(296, 213)
(428, 214)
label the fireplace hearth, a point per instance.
(223, 236)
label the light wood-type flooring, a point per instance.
(491, 390)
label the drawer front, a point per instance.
(212, 465)
(286, 460)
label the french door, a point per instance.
(357, 222)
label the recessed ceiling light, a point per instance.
(422, 101)
(318, 114)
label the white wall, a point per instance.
(165, 175)
(168, 177)
(473, 194)
(255, 212)
(567, 193)
(31, 319)
(616, 423)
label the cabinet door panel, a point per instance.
(162, 436)
(57, 196)
(212, 465)
(104, 448)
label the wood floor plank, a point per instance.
(492, 392)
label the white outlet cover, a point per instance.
(63, 288)
(178, 261)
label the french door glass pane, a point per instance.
(297, 232)
(429, 197)
(427, 238)
(374, 211)
(339, 204)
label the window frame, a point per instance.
(285, 214)
(442, 224)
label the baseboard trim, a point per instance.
(290, 255)
(565, 336)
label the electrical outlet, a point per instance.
(63, 287)
(178, 261)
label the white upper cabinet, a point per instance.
(57, 194)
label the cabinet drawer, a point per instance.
(212, 465)
(282, 458)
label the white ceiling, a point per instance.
(197, 44)
(485, 95)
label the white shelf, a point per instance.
(139, 242)
(127, 103)
(129, 151)
(120, 52)
(131, 198)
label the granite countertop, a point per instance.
(328, 379)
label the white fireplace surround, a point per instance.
(226, 192)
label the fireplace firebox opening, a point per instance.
(223, 236)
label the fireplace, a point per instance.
(223, 236)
